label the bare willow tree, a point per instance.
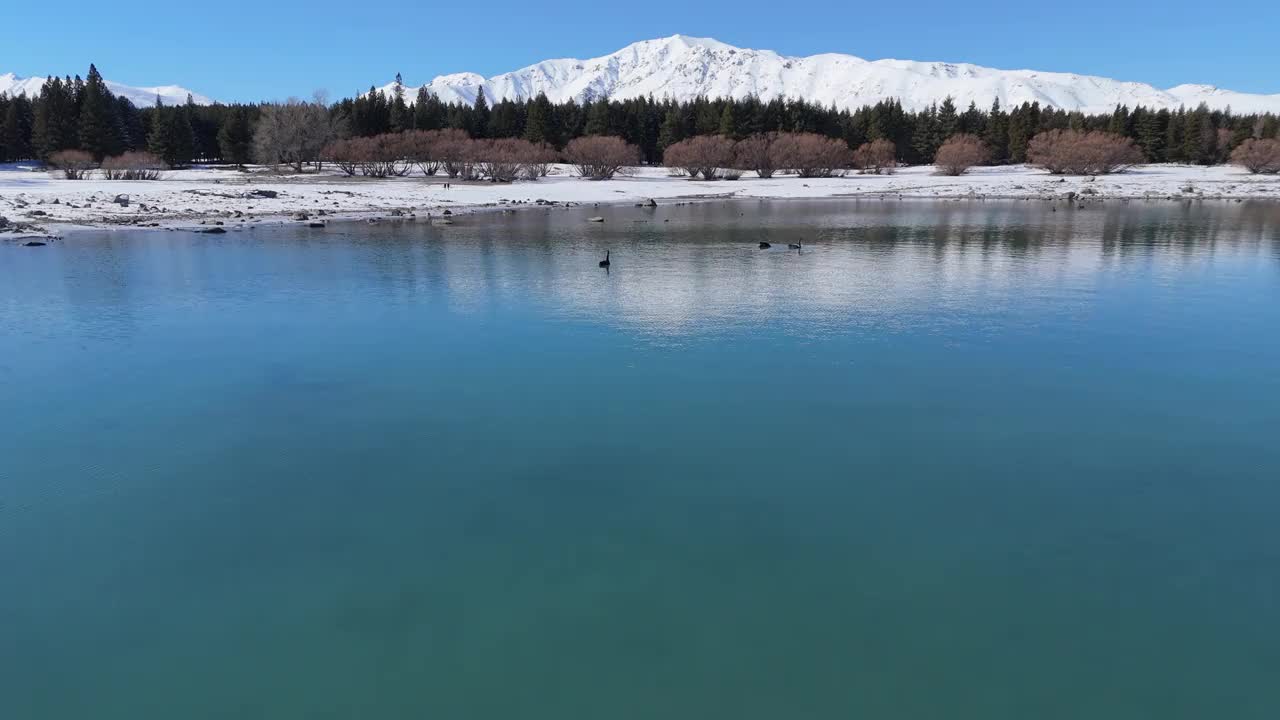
(541, 158)
(294, 133)
(505, 159)
(705, 155)
(1072, 152)
(454, 151)
(431, 149)
(1258, 156)
(753, 153)
(876, 157)
(959, 153)
(811, 155)
(600, 157)
(133, 165)
(346, 154)
(74, 164)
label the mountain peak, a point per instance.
(689, 41)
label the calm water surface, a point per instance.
(953, 460)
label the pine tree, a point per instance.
(672, 130)
(8, 130)
(598, 118)
(132, 134)
(927, 136)
(428, 111)
(204, 145)
(650, 125)
(537, 125)
(948, 121)
(234, 137)
(748, 115)
(1270, 127)
(728, 127)
(4, 111)
(170, 138)
(1199, 139)
(505, 120)
(1174, 150)
(15, 130)
(479, 115)
(160, 141)
(398, 117)
(99, 125)
(706, 117)
(1119, 123)
(1022, 126)
(1150, 133)
(972, 121)
(997, 134)
(184, 138)
(54, 125)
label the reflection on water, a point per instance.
(676, 271)
(955, 459)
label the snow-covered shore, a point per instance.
(220, 197)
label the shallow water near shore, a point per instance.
(951, 459)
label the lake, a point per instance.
(950, 460)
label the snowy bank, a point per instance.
(205, 197)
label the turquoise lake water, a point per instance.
(951, 460)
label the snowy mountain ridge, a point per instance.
(140, 96)
(682, 68)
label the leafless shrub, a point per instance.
(876, 157)
(679, 158)
(428, 148)
(810, 155)
(959, 153)
(542, 157)
(345, 153)
(600, 157)
(753, 154)
(74, 164)
(456, 153)
(1258, 156)
(388, 156)
(133, 166)
(380, 156)
(1071, 152)
(505, 159)
(729, 174)
(703, 155)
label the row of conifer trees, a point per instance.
(75, 113)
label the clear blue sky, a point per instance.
(237, 50)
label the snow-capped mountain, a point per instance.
(684, 67)
(140, 96)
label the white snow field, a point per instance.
(206, 196)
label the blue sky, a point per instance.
(236, 50)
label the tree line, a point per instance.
(82, 114)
